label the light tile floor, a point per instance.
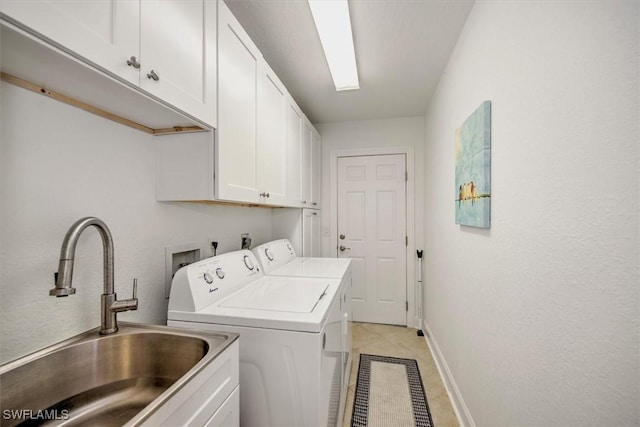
(399, 341)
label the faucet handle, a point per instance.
(125, 304)
(132, 304)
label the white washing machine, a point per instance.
(278, 258)
(290, 335)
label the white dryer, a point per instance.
(290, 336)
(278, 258)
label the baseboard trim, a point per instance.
(459, 407)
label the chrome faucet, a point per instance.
(109, 304)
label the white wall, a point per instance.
(59, 164)
(537, 318)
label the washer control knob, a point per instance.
(207, 277)
(269, 255)
(219, 273)
(248, 262)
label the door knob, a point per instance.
(342, 248)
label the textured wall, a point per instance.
(58, 164)
(537, 318)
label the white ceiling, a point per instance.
(402, 48)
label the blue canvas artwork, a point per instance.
(473, 169)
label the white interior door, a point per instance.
(372, 232)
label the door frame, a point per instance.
(411, 320)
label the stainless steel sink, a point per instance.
(105, 380)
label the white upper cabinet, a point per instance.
(252, 133)
(106, 33)
(166, 48)
(307, 130)
(236, 154)
(248, 160)
(316, 169)
(294, 154)
(272, 140)
(138, 57)
(311, 172)
(178, 54)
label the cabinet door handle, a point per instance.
(153, 75)
(133, 62)
(314, 203)
(304, 201)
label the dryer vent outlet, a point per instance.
(177, 257)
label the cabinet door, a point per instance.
(178, 54)
(294, 154)
(316, 169)
(306, 163)
(311, 233)
(236, 152)
(104, 32)
(272, 142)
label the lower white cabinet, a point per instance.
(228, 414)
(211, 398)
